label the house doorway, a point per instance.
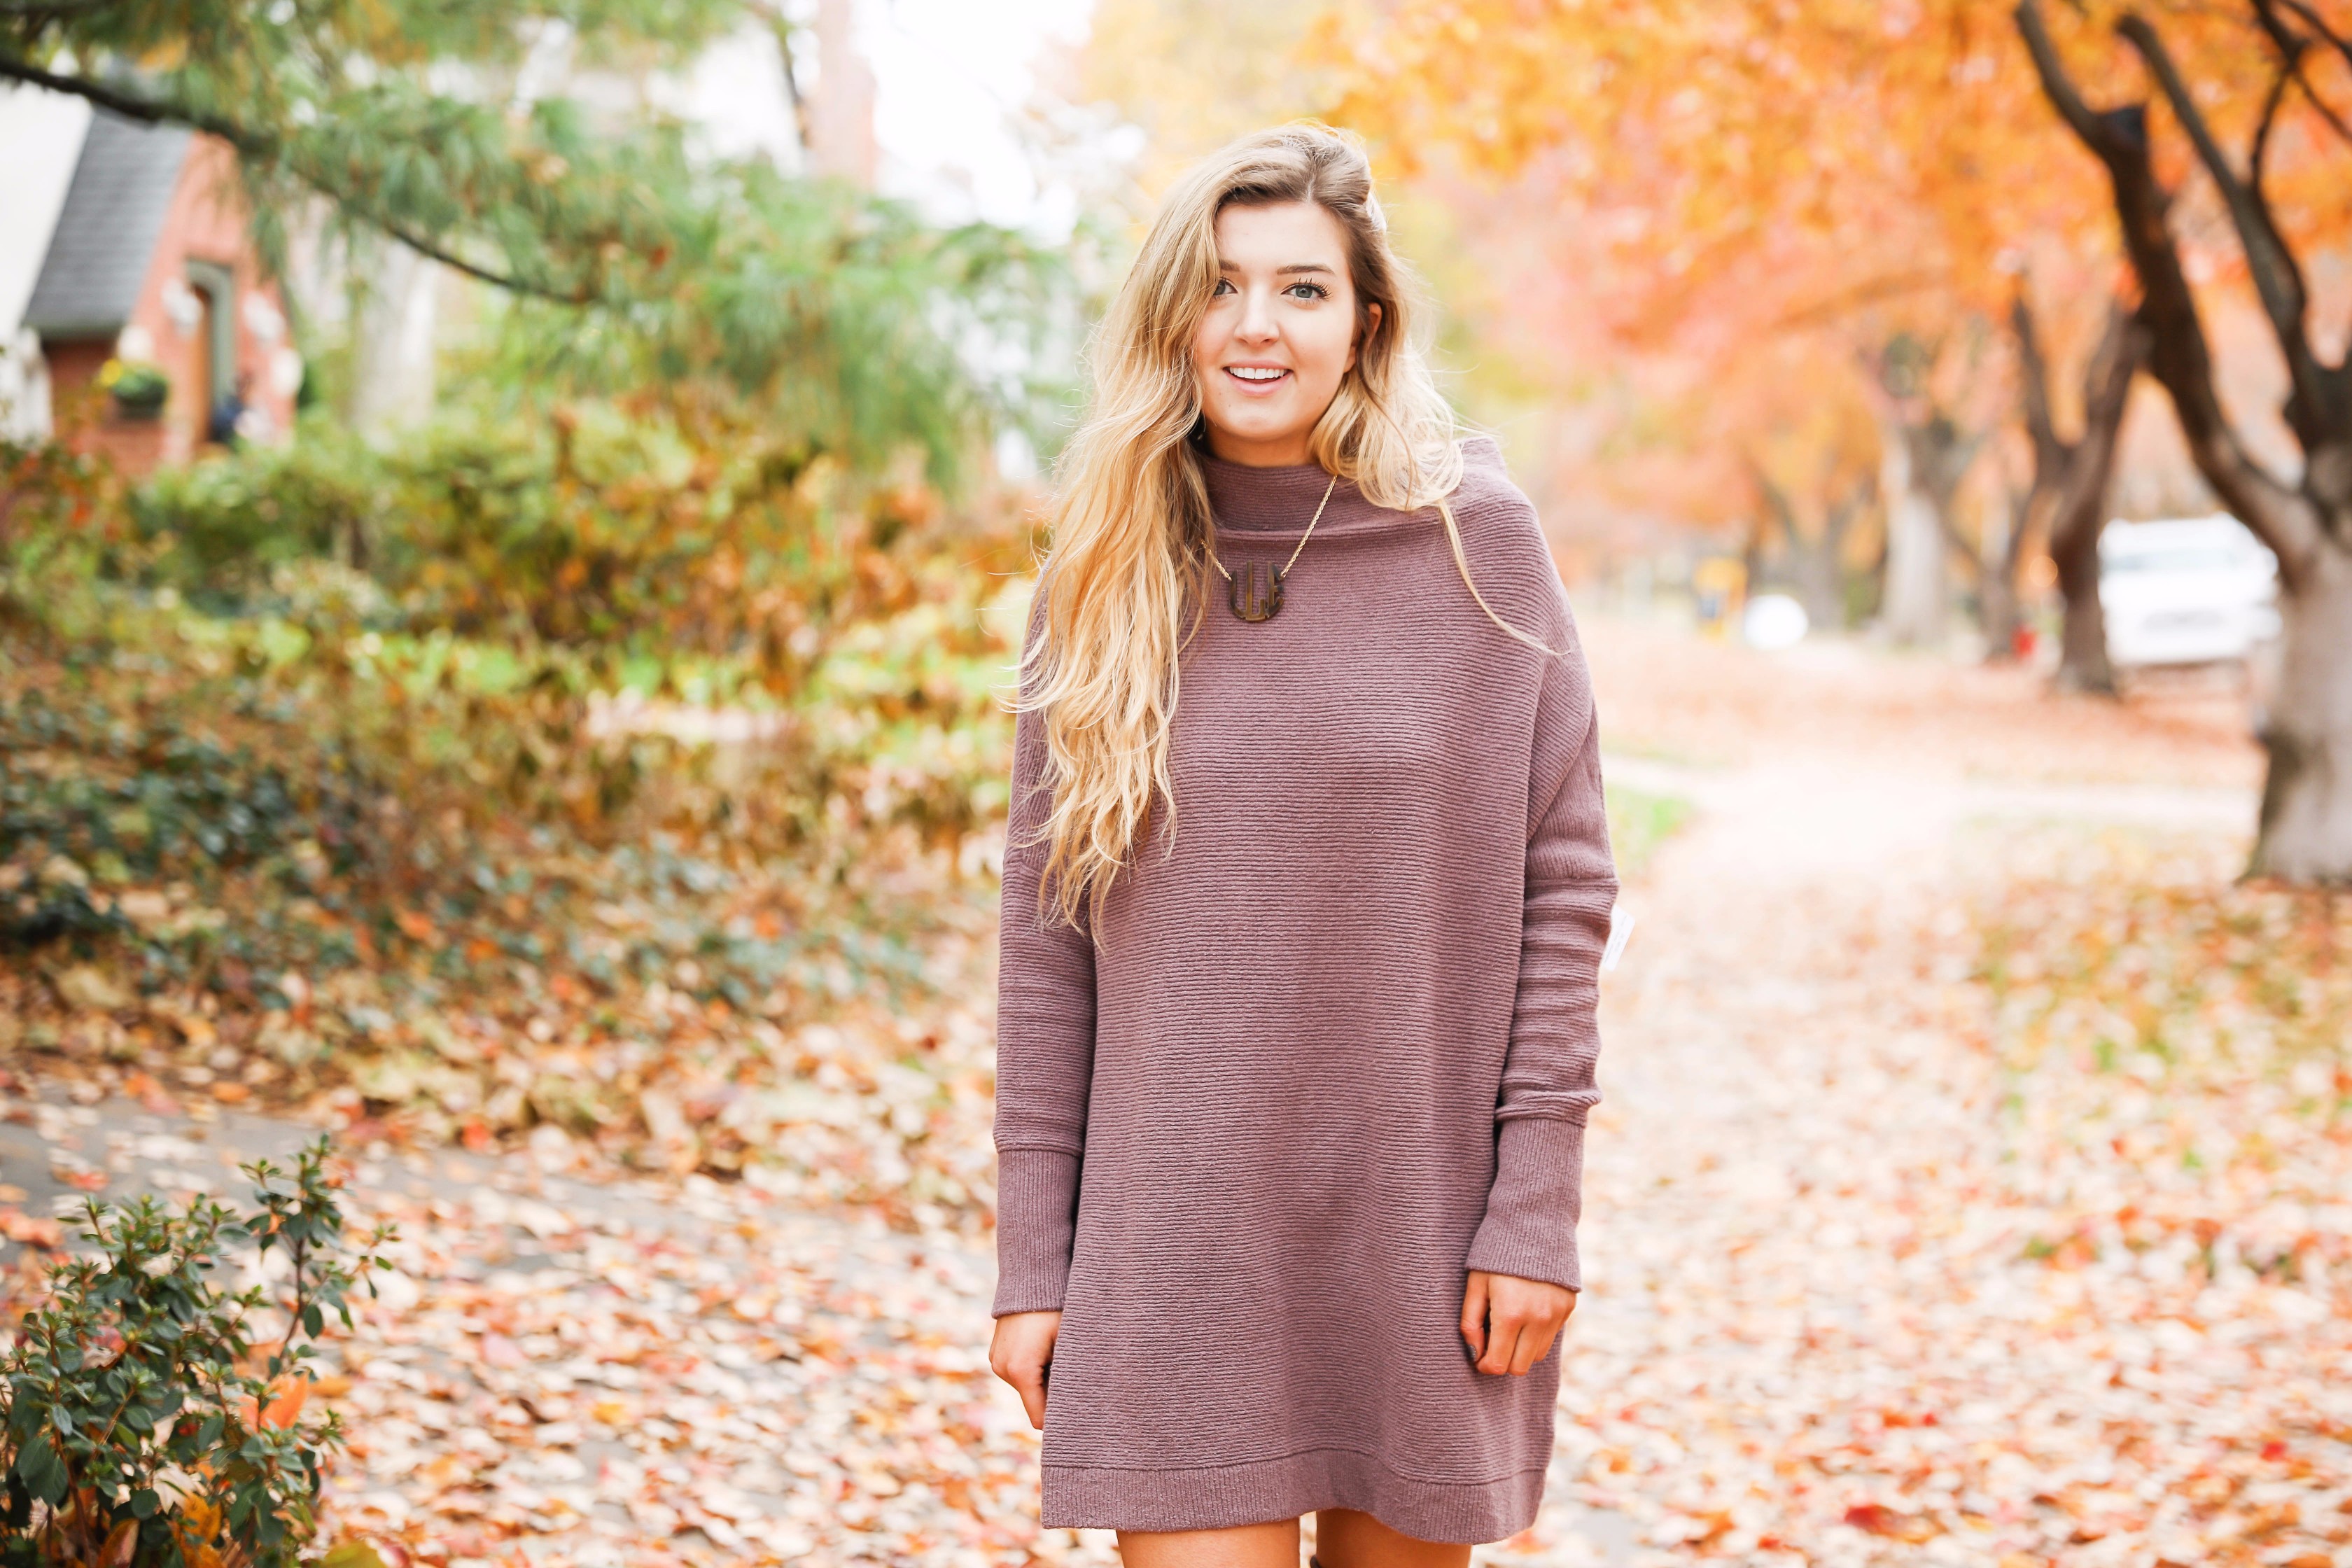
(215, 368)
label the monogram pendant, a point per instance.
(1256, 591)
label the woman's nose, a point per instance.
(1257, 319)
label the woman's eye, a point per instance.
(1309, 291)
(1223, 287)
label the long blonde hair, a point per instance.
(1131, 526)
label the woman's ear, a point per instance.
(1372, 325)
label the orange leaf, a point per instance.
(31, 1230)
(287, 1395)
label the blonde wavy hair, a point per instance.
(1131, 524)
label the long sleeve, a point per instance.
(1547, 1089)
(1044, 1055)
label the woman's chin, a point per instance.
(1259, 435)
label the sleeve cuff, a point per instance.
(1529, 1231)
(1037, 1223)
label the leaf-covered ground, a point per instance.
(1969, 1189)
(211, 897)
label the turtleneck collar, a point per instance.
(1278, 501)
(1282, 499)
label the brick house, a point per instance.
(144, 256)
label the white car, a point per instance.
(2188, 591)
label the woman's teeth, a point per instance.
(1253, 372)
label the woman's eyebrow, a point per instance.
(1225, 266)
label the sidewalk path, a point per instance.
(1815, 1328)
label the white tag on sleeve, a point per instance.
(1620, 932)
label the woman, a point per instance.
(1295, 1016)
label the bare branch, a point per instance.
(2277, 277)
(2107, 391)
(2291, 47)
(2035, 370)
(2318, 24)
(784, 27)
(2264, 126)
(2311, 96)
(2059, 88)
(2179, 354)
(263, 148)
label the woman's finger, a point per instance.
(1535, 1340)
(1030, 1381)
(1502, 1343)
(1474, 1315)
(1021, 1351)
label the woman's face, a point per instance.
(1280, 333)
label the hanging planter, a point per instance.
(139, 389)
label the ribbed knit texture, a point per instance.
(1333, 1049)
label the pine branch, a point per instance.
(261, 147)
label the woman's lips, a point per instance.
(1256, 387)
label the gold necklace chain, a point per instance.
(1303, 538)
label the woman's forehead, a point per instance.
(1282, 235)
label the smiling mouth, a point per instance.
(1257, 374)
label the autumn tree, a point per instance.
(2275, 78)
(1779, 166)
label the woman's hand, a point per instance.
(1020, 1353)
(1511, 1323)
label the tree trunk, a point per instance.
(2071, 479)
(1821, 569)
(1916, 586)
(1998, 613)
(2306, 821)
(1816, 567)
(2082, 664)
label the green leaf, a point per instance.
(42, 1470)
(144, 1502)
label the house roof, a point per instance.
(106, 235)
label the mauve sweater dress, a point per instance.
(1331, 1050)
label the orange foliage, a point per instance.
(1817, 155)
(1741, 203)
(1820, 156)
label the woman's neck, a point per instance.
(1274, 452)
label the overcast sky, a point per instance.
(952, 76)
(954, 79)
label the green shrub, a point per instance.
(150, 1418)
(219, 525)
(88, 793)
